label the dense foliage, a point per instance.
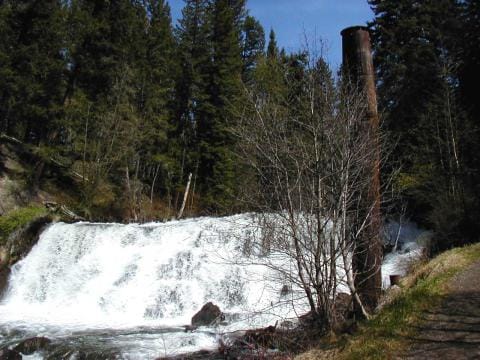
(428, 65)
(132, 105)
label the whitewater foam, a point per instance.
(94, 278)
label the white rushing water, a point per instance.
(132, 280)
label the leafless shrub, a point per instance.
(312, 158)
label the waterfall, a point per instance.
(92, 277)
(132, 287)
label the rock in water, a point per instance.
(29, 346)
(7, 354)
(208, 315)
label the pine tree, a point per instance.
(216, 168)
(6, 74)
(105, 104)
(469, 77)
(470, 57)
(272, 49)
(193, 54)
(410, 44)
(416, 47)
(253, 46)
(32, 102)
(110, 38)
(156, 95)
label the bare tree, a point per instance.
(311, 156)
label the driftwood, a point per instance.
(10, 139)
(185, 196)
(62, 209)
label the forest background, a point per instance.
(130, 105)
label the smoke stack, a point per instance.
(358, 70)
(358, 66)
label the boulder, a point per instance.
(209, 314)
(285, 290)
(29, 346)
(21, 241)
(7, 354)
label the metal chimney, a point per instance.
(359, 72)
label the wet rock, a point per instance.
(395, 279)
(7, 354)
(4, 273)
(21, 241)
(29, 346)
(285, 290)
(209, 314)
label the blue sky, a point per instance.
(290, 19)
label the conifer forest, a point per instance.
(134, 104)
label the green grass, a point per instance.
(18, 218)
(388, 332)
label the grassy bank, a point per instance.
(388, 332)
(18, 218)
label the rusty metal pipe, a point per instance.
(359, 72)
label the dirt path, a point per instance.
(452, 330)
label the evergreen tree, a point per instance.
(216, 168)
(108, 87)
(157, 92)
(470, 57)
(32, 98)
(272, 49)
(193, 54)
(108, 58)
(6, 75)
(111, 37)
(469, 77)
(417, 51)
(239, 11)
(253, 45)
